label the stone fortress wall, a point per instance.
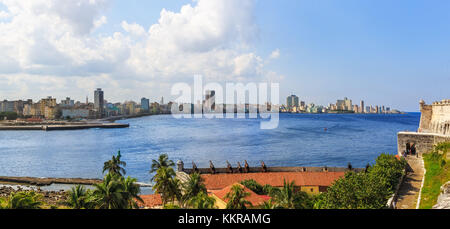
(434, 128)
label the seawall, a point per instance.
(65, 127)
(424, 141)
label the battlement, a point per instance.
(435, 117)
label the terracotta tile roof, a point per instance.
(220, 181)
(254, 198)
(151, 201)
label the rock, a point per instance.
(444, 199)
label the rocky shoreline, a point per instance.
(47, 181)
(51, 198)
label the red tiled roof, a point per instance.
(220, 181)
(254, 198)
(151, 201)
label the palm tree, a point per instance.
(131, 191)
(78, 197)
(285, 198)
(115, 165)
(164, 183)
(202, 201)
(163, 161)
(268, 205)
(193, 187)
(24, 200)
(237, 197)
(110, 193)
(175, 190)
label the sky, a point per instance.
(384, 52)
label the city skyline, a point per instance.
(322, 50)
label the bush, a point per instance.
(254, 186)
(8, 115)
(369, 190)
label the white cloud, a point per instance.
(275, 54)
(53, 40)
(4, 15)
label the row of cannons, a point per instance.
(261, 169)
(229, 169)
(240, 169)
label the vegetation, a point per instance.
(8, 115)
(115, 191)
(193, 189)
(79, 198)
(288, 198)
(202, 201)
(366, 190)
(438, 173)
(115, 165)
(22, 200)
(369, 190)
(254, 186)
(236, 198)
(162, 162)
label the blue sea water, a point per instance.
(300, 140)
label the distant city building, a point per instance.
(7, 106)
(75, 113)
(210, 101)
(292, 101)
(145, 105)
(48, 107)
(67, 102)
(344, 105)
(99, 101)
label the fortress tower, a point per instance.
(435, 118)
(434, 127)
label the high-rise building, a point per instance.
(145, 105)
(48, 107)
(292, 101)
(362, 107)
(99, 101)
(344, 105)
(67, 102)
(210, 100)
(7, 106)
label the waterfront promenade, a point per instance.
(65, 127)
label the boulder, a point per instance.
(444, 199)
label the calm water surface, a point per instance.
(300, 140)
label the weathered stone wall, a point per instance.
(435, 118)
(424, 141)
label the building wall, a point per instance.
(434, 128)
(424, 141)
(220, 204)
(314, 190)
(435, 118)
(75, 113)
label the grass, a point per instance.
(437, 174)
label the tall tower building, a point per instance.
(210, 99)
(99, 101)
(145, 104)
(292, 101)
(362, 107)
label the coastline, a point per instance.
(68, 126)
(47, 181)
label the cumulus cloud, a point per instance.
(54, 40)
(275, 54)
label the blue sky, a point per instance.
(386, 52)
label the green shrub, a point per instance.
(364, 190)
(254, 186)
